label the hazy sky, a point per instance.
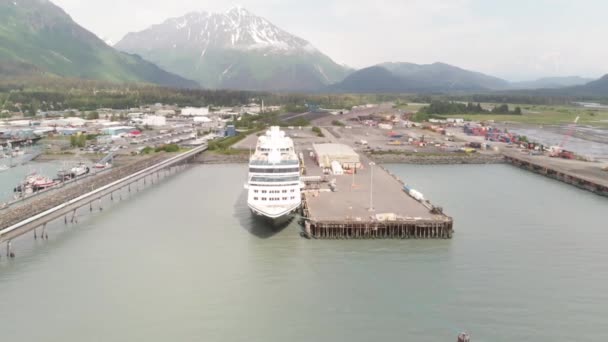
(513, 39)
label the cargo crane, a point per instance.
(558, 151)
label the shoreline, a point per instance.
(210, 157)
(438, 159)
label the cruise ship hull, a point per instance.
(276, 218)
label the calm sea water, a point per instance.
(184, 261)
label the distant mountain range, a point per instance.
(552, 82)
(235, 49)
(597, 88)
(445, 78)
(37, 37)
(409, 77)
(231, 50)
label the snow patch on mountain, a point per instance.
(235, 29)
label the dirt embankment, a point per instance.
(210, 157)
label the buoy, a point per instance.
(464, 337)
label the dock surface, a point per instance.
(352, 198)
(584, 175)
(366, 207)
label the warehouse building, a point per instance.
(117, 130)
(343, 154)
(192, 111)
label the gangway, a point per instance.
(108, 159)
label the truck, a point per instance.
(558, 152)
(361, 142)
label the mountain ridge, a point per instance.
(551, 82)
(411, 77)
(234, 48)
(42, 35)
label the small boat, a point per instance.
(35, 182)
(4, 168)
(79, 170)
(42, 182)
(64, 175)
(102, 166)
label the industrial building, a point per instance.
(118, 130)
(343, 154)
(154, 120)
(192, 111)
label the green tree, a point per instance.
(78, 140)
(94, 115)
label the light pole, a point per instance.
(371, 187)
(354, 170)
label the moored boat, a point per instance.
(274, 177)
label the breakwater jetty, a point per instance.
(64, 203)
(583, 175)
(437, 158)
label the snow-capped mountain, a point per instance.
(235, 49)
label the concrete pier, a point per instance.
(583, 175)
(366, 206)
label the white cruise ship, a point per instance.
(274, 177)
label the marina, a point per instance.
(19, 220)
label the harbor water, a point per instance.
(14, 176)
(185, 261)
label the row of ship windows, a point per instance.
(268, 149)
(262, 170)
(273, 198)
(273, 191)
(253, 185)
(277, 179)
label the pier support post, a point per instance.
(9, 250)
(99, 202)
(91, 206)
(112, 196)
(44, 234)
(35, 237)
(74, 217)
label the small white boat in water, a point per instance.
(79, 170)
(4, 168)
